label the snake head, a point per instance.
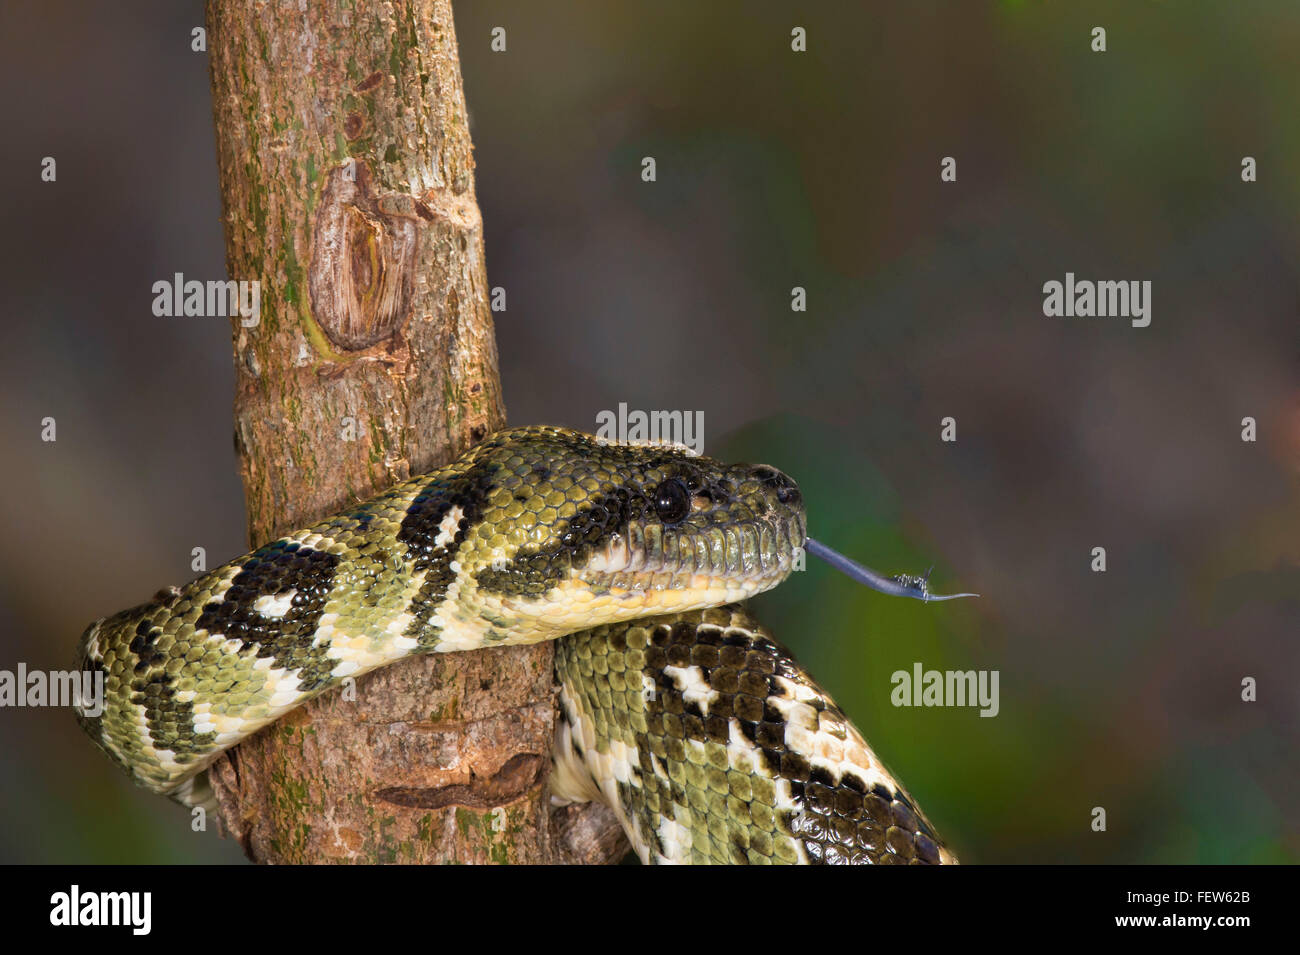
(576, 532)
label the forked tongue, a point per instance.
(900, 585)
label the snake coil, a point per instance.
(678, 710)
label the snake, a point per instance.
(677, 709)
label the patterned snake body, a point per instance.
(700, 731)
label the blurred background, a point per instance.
(1119, 689)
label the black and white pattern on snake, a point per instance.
(534, 534)
(714, 746)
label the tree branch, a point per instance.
(347, 190)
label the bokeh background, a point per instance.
(775, 169)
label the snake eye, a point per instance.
(672, 502)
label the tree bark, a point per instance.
(348, 192)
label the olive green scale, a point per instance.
(700, 731)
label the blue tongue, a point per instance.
(900, 585)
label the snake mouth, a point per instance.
(743, 558)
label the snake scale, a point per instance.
(678, 710)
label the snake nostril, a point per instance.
(787, 492)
